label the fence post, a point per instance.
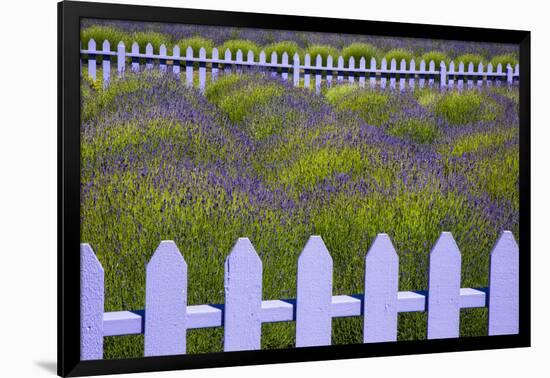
(340, 77)
(149, 56)
(314, 295)
(296, 70)
(91, 304)
(499, 73)
(202, 69)
(162, 58)
(215, 65)
(284, 73)
(509, 74)
(490, 77)
(307, 64)
(318, 77)
(362, 65)
(135, 59)
(460, 81)
(92, 59)
(504, 286)
(106, 63)
(121, 59)
(239, 61)
(189, 66)
(444, 289)
(176, 62)
(381, 286)
(402, 75)
(422, 74)
(442, 74)
(451, 75)
(274, 60)
(227, 62)
(165, 302)
(243, 298)
(470, 75)
(250, 59)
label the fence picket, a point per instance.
(490, 78)
(498, 80)
(470, 75)
(444, 289)
(296, 70)
(121, 59)
(442, 74)
(189, 66)
(422, 74)
(504, 286)
(318, 77)
(135, 59)
(284, 74)
(274, 60)
(91, 304)
(412, 75)
(340, 63)
(239, 60)
(307, 63)
(106, 63)
(149, 59)
(460, 81)
(516, 72)
(372, 76)
(202, 69)
(381, 286)
(262, 60)
(451, 75)
(227, 62)
(165, 325)
(215, 64)
(92, 59)
(509, 74)
(162, 58)
(384, 69)
(480, 75)
(393, 68)
(243, 298)
(351, 75)
(362, 64)
(402, 75)
(329, 71)
(176, 62)
(314, 295)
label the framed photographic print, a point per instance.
(241, 188)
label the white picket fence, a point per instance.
(407, 74)
(166, 317)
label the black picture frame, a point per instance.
(69, 15)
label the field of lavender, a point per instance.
(255, 157)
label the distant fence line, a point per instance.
(306, 74)
(167, 317)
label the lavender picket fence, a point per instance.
(399, 74)
(166, 317)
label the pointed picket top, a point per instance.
(499, 68)
(403, 65)
(490, 67)
(91, 304)
(163, 51)
(149, 49)
(176, 51)
(318, 61)
(452, 66)
(504, 286)
(340, 61)
(250, 56)
(423, 65)
(189, 52)
(202, 53)
(444, 288)
(121, 46)
(106, 46)
(381, 287)
(135, 47)
(91, 45)
(372, 63)
(274, 57)
(393, 65)
(165, 302)
(412, 65)
(432, 65)
(362, 63)
(516, 69)
(461, 67)
(215, 53)
(285, 58)
(227, 55)
(262, 57)
(239, 56)
(314, 295)
(351, 62)
(296, 58)
(329, 61)
(243, 298)
(480, 67)
(470, 67)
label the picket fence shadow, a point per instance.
(166, 317)
(335, 69)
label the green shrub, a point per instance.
(417, 130)
(196, 43)
(467, 58)
(398, 55)
(324, 51)
(505, 59)
(101, 33)
(216, 91)
(436, 56)
(240, 101)
(290, 47)
(239, 44)
(372, 106)
(358, 51)
(154, 38)
(466, 107)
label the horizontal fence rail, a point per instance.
(312, 71)
(166, 317)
